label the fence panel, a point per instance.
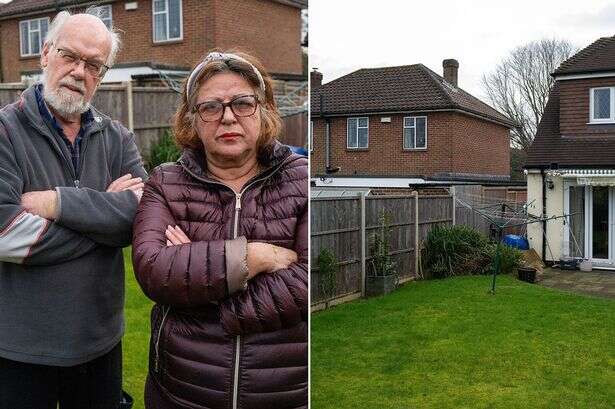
(335, 225)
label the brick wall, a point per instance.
(269, 29)
(456, 143)
(574, 107)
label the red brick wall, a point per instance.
(574, 107)
(455, 143)
(481, 147)
(269, 29)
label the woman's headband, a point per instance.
(216, 56)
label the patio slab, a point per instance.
(600, 283)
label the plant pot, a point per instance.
(380, 285)
(527, 274)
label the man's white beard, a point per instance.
(64, 102)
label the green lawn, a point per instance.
(450, 344)
(136, 339)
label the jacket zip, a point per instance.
(157, 343)
(235, 234)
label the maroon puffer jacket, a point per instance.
(217, 342)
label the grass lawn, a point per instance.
(136, 339)
(450, 344)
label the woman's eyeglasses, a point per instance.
(95, 69)
(241, 106)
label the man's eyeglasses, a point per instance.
(241, 106)
(95, 69)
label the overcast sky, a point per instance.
(345, 35)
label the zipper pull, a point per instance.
(76, 182)
(237, 201)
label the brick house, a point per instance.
(571, 163)
(405, 123)
(163, 37)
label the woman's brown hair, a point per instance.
(271, 124)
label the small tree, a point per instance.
(327, 267)
(381, 260)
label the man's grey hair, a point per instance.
(61, 18)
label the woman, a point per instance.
(220, 244)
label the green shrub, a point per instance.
(510, 258)
(460, 250)
(327, 274)
(381, 260)
(164, 151)
(455, 250)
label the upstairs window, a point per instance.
(32, 35)
(602, 105)
(357, 133)
(167, 20)
(415, 132)
(104, 12)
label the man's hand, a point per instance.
(127, 182)
(42, 203)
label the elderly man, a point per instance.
(70, 182)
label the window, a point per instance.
(601, 105)
(167, 20)
(415, 132)
(104, 12)
(357, 132)
(32, 35)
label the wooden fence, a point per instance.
(148, 111)
(346, 226)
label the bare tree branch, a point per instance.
(519, 86)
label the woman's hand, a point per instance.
(175, 236)
(267, 258)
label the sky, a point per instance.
(346, 35)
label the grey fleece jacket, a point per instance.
(62, 282)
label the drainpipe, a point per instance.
(544, 212)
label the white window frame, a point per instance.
(181, 22)
(110, 18)
(357, 118)
(611, 118)
(41, 38)
(404, 127)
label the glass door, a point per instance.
(600, 231)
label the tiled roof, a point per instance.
(598, 56)
(550, 147)
(29, 6)
(394, 89)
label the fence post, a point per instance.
(363, 271)
(130, 106)
(417, 250)
(454, 189)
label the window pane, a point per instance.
(362, 137)
(35, 42)
(33, 24)
(25, 49)
(159, 5)
(352, 133)
(44, 27)
(409, 138)
(174, 19)
(602, 103)
(420, 133)
(160, 27)
(409, 121)
(362, 121)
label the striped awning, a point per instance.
(588, 177)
